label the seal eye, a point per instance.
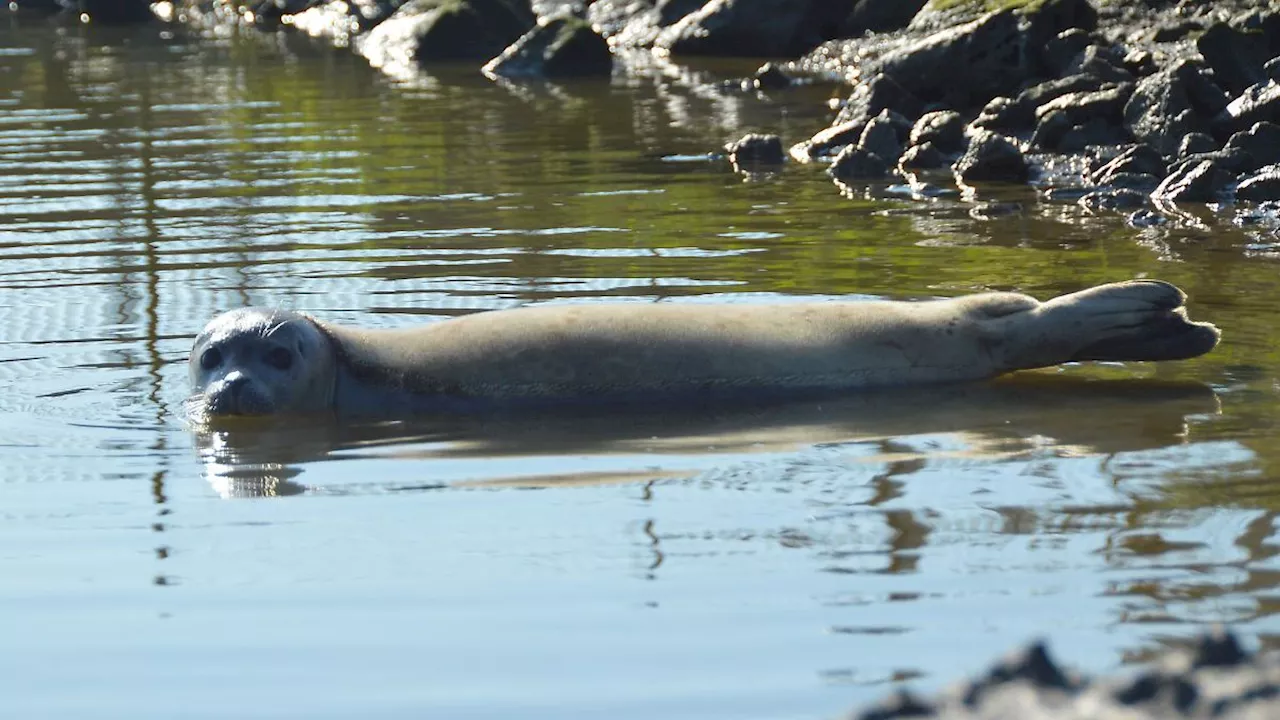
(280, 358)
(210, 359)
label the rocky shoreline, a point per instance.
(1119, 107)
(1216, 678)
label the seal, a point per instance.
(254, 361)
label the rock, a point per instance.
(879, 16)
(1198, 182)
(1145, 219)
(880, 93)
(1003, 114)
(991, 158)
(854, 163)
(1113, 199)
(1061, 50)
(1037, 95)
(770, 77)
(1258, 103)
(1051, 128)
(902, 704)
(1140, 63)
(1165, 106)
(1106, 105)
(828, 141)
(425, 31)
(1271, 70)
(1234, 161)
(1259, 145)
(883, 137)
(1193, 143)
(1262, 185)
(1133, 160)
(563, 47)
(1093, 133)
(943, 128)
(1103, 63)
(1236, 57)
(632, 24)
(754, 153)
(925, 156)
(770, 28)
(1218, 648)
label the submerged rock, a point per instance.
(563, 47)
(755, 153)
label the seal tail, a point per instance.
(1134, 320)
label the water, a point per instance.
(766, 563)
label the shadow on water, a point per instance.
(991, 420)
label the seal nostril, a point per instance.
(210, 359)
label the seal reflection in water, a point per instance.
(262, 362)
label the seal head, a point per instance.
(254, 361)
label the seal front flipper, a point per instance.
(1134, 320)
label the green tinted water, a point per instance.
(765, 564)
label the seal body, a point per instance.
(671, 353)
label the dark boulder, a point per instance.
(1258, 103)
(636, 23)
(1050, 129)
(1102, 62)
(1260, 144)
(883, 137)
(755, 153)
(991, 157)
(1002, 114)
(880, 93)
(1260, 186)
(1140, 160)
(925, 156)
(1092, 133)
(563, 47)
(1195, 143)
(1105, 105)
(943, 128)
(1169, 104)
(828, 141)
(1062, 49)
(1198, 182)
(1236, 56)
(854, 163)
(425, 31)
(771, 77)
(879, 16)
(754, 28)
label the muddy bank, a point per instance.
(1215, 678)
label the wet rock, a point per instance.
(1259, 145)
(1260, 186)
(753, 27)
(1271, 70)
(1167, 105)
(879, 16)
(425, 31)
(1051, 128)
(991, 157)
(943, 128)
(770, 77)
(1105, 105)
(884, 135)
(1145, 219)
(1062, 49)
(1133, 160)
(1196, 182)
(633, 24)
(854, 163)
(1095, 132)
(880, 93)
(1113, 199)
(1235, 56)
(563, 47)
(925, 156)
(1218, 648)
(1258, 103)
(1037, 95)
(1195, 143)
(901, 704)
(828, 141)
(755, 153)
(1232, 160)
(1102, 62)
(1003, 114)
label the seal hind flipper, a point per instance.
(1135, 320)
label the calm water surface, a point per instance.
(771, 563)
